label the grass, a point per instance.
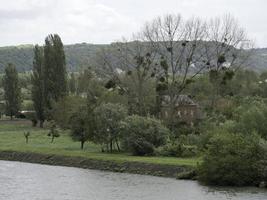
(12, 138)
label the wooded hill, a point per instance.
(81, 55)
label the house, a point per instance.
(185, 109)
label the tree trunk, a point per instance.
(110, 146)
(41, 123)
(82, 144)
(27, 140)
(118, 147)
(52, 140)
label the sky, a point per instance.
(106, 21)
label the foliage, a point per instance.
(11, 139)
(233, 160)
(183, 146)
(252, 116)
(107, 118)
(140, 91)
(141, 135)
(65, 108)
(55, 75)
(38, 87)
(83, 80)
(12, 90)
(80, 126)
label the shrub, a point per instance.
(141, 135)
(178, 150)
(233, 159)
(189, 151)
(170, 149)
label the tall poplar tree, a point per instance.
(12, 90)
(55, 75)
(37, 79)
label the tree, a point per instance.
(129, 68)
(80, 129)
(65, 108)
(82, 121)
(55, 76)
(234, 160)
(38, 92)
(185, 48)
(83, 81)
(141, 135)
(12, 90)
(108, 117)
(227, 52)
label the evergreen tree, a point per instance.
(38, 94)
(55, 76)
(12, 90)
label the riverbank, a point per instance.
(66, 152)
(171, 171)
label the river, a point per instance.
(24, 181)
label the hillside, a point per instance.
(80, 55)
(77, 55)
(259, 60)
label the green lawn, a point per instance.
(12, 138)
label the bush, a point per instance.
(253, 118)
(178, 150)
(170, 149)
(234, 160)
(142, 135)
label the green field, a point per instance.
(12, 138)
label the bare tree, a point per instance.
(186, 48)
(226, 50)
(129, 67)
(172, 51)
(178, 44)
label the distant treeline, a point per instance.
(81, 56)
(77, 56)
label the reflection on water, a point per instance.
(24, 181)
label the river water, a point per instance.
(24, 181)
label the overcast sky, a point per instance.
(105, 21)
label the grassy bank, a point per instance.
(12, 139)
